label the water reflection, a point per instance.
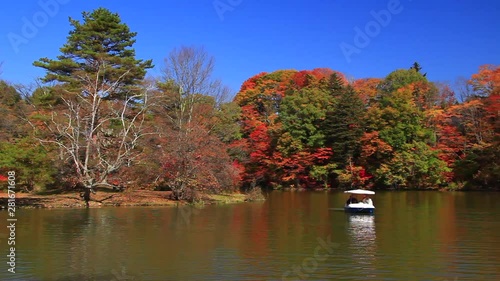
(361, 230)
(413, 236)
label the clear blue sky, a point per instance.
(450, 39)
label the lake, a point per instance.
(414, 235)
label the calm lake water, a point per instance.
(291, 236)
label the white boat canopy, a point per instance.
(359, 191)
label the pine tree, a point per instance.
(336, 85)
(343, 126)
(98, 52)
(102, 113)
(416, 66)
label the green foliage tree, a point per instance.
(46, 97)
(322, 173)
(480, 168)
(401, 123)
(335, 85)
(226, 125)
(9, 95)
(97, 50)
(416, 165)
(398, 79)
(11, 109)
(344, 126)
(301, 114)
(34, 167)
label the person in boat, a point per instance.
(351, 200)
(367, 200)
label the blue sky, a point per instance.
(450, 39)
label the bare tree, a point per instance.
(96, 136)
(190, 97)
(189, 71)
(464, 88)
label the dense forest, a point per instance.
(95, 120)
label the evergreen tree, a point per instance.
(102, 116)
(98, 50)
(416, 66)
(343, 126)
(12, 106)
(32, 163)
(336, 85)
(301, 114)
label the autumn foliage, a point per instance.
(97, 122)
(299, 129)
(293, 129)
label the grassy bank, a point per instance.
(103, 199)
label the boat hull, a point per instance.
(360, 209)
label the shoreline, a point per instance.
(134, 198)
(493, 189)
(138, 198)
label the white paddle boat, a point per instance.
(365, 206)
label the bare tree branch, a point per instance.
(98, 135)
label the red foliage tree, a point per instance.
(260, 99)
(367, 88)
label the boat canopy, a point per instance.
(359, 191)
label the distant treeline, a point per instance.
(315, 128)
